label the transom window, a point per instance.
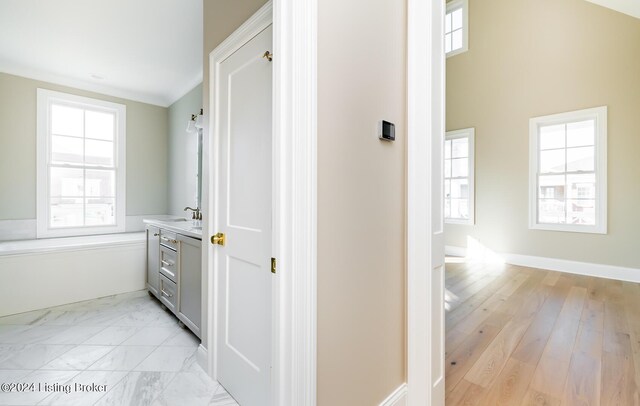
(81, 165)
(456, 36)
(459, 176)
(568, 171)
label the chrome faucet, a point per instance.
(197, 214)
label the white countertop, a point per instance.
(188, 227)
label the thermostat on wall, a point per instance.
(386, 131)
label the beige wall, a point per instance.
(183, 152)
(529, 58)
(361, 201)
(146, 150)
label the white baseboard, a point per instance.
(202, 358)
(562, 265)
(397, 398)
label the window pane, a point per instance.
(66, 120)
(66, 149)
(460, 148)
(581, 186)
(582, 133)
(581, 212)
(456, 40)
(552, 137)
(447, 188)
(459, 188)
(447, 149)
(552, 161)
(66, 182)
(459, 208)
(580, 159)
(66, 212)
(447, 208)
(447, 43)
(99, 125)
(101, 183)
(447, 23)
(99, 152)
(456, 19)
(551, 211)
(460, 167)
(551, 187)
(101, 211)
(447, 168)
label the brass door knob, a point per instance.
(217, 239)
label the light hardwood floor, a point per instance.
(524, 336)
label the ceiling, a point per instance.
(630, 7)
(144, 50)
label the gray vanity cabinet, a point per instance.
(153, 260)
(190, 282)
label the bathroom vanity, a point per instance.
(174, 268)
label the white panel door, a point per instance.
(244, 214)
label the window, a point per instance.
(459, 177)
(81, 165)
(456, 23)
(568, 171)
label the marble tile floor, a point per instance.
(128, 343)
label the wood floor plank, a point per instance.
(466, 394)
(618, 381)
(511, 385)
(535, 398)
(552, 370)
(583, 381)
(490, 364)
(458, 362)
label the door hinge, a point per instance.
(273, 265)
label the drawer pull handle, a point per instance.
(172, 241)
(164, 293)
(167, 263)
(156, 234)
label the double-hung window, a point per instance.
(456, 27)
(568, 171)
(81, 165)
(459, 176)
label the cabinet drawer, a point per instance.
(169, 263)
(168, 239)
(168, 293)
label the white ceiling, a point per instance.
(630, 7)
(144, 50)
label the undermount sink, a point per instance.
(175, 220)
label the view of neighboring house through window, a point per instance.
(568, 171)
(459, 176)
(81, 170)
(456, 36)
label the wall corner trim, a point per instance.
(561, 265)
(397, 398)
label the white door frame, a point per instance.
(426, 107)
(295, 196)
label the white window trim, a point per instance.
(469, 133)
(464, 4)
(599, 114)
(44, 100)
